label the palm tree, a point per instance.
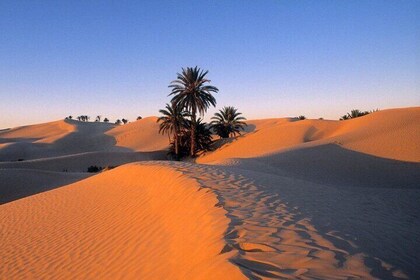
(228, 121)
(172, 121)
(118, 122)
(124, 121)
(191, 93)
(98, 118)
(355, 114)
(106, 120)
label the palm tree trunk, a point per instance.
(176, 145)
(192, 132)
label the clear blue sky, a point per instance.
(268, 58)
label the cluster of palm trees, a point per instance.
(356, 113)
(83, 118)
(122, 121)
(182, 120)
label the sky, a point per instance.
(268, 58)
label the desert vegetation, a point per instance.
(98, 118)
(191, 96)
(96, 169)
(83, 118)
(173, 123)
(228, 122)
(182, 118)
(356, 113)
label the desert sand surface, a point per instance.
(288, 199)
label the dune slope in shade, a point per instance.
(80, 162)
(20, 183)
(136, 222)
(271, 240)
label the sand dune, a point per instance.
(43, 133)
(54, 139)
(391, 134)
(113, 226)
(69, 137)
(140, 136)
(312, 199)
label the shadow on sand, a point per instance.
(364, 200)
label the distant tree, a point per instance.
(94, 169)
(118, 122)
(139, 118)
(228, 121)
(83, 118)
(191, 93)
(70, 117)
(321, 119)
(124, 121)
(98, 118)
(301, 117)
(106, 120)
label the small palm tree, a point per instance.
(125, 121)
(106, 120)
(172, 122)
(118, 122)
(139, 118)
(98, 118)
(191, 92)
(228, 121)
